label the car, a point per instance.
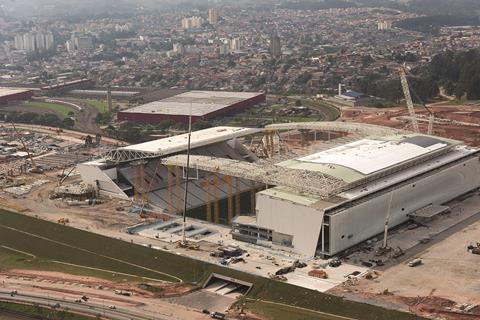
(415, 262)
(112, 307)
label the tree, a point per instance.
(201, 124)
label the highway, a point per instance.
(90, 309)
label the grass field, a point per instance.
(100, 104)
(10, 259)
(60, 109)
(9, 310)
(271, 311)
(54, 242)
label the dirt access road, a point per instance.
(69, 288)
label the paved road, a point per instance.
(90, 309)
(76, 136)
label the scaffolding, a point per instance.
(302, 181)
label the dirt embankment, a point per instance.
(459, 122)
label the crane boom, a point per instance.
(408, 99)
(34, 165)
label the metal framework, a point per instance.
(361, 129)
(302, 181)
(125, 155)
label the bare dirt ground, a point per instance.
(448, 276)
(99, 291)
(396, 118)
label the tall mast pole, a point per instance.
(184, 240)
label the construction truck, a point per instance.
(63, 221)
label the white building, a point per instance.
(79, 43)
(235, 44)
(34, 41)
(400, 176)
(212, 16)
(223, 49)
(384, 25)
(194, 22)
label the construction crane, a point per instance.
(35, 169)
(410, 106)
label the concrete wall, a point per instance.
(301, 222)
(367, 219)
(94, 176)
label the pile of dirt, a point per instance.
(438, 307)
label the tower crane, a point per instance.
(410, 106)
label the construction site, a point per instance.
(372, 207)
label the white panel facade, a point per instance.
(367, 219)
(301, 222)
(94, 176)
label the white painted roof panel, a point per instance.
(199, 138)
(4, 91)
(368, 156)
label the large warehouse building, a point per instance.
(398, 177)
(14, 94)
(200, 104)
(317, 203)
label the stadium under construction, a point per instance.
(309, 188)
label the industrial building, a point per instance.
(200, 104)
(14, 94)
(321, 202)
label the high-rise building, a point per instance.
(49, 41)
(192, 22)
(275, 46)
(29, 42)
(212, 16)
(223, 49)
(235, 44)
(384, 25)
(82, 43)
(40, 41)
(19, 42)
(34, 41)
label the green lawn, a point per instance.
(276, 312)
(60, 109)
(15, 260)
(36, 311)
(50, 241)
(100, 104)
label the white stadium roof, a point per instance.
(175, 144)
(368, 156)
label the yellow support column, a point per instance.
(142, 182)
(135, 186)
(252, 197)
(215, 199)
(228, 180)
(207, 183)
(170, 191)
(177, 189)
